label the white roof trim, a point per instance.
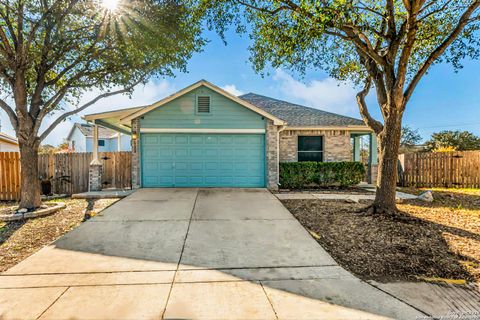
(111, 114)
(198, 130)
(128, 118)
(8, 139)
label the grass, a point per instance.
(428, 240)
(20, 239)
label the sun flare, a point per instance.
(111, 5)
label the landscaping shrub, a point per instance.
(296, 175)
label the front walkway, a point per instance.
(191, 254)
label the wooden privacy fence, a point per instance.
(9, 175)
(441, 169)
(68, 172)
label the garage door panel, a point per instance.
(227, 181)
(162, 140)
(211, 139)
(226, 153)
(203, 160)
(151, 153)
(197, 168)
(181, 139)
(211, 166)
(226, 140)
(163, 153)
(181, 153)
(165, 181)
(196, 139)
(151, 140)
(211, 153)
(196, 153)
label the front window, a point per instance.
(101, 143)
(310, 148)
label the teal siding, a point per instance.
(180, 113)
(203, 160)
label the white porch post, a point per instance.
(95, 172)
(119, 141)
(95, 160)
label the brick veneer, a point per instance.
(337, 145)
(95, 177)
(272, 155)
(136, 183)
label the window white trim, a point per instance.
(198, 130)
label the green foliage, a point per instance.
(453, 140)
(309, 34)
(296, 175)
(410, 137)
(53, 52)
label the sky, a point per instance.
(443, 100)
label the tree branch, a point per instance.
(375, 125)
(462, 22)
(11, 114)
(86, 105)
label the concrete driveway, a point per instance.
(190, 254)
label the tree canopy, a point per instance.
(409, 138)
(453, 141)
(385, 45)
(53, 51)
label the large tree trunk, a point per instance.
(30, 183)
(388, 146)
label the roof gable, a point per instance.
(244, 103)
(300, 116)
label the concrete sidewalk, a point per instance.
(191, 254)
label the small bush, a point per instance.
(296, 175)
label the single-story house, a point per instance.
(8, 143)
(80, 139)
(203, 136)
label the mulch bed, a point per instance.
(428, 240)
(20, 239)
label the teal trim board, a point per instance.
(203, 160)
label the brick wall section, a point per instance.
(337, 145)
(272, 155)
(136, 175)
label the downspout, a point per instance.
(280, 129)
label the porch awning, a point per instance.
(111, 119)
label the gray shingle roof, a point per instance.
(299, 116)
(87, 130)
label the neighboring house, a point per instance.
(8, 143)
(202, 136)
(80, 139)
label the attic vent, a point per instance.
(203, 104)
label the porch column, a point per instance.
(95, 172)
(136, 167)
(373, 159)
(356, 148)
(272, 155)
(119, 141)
